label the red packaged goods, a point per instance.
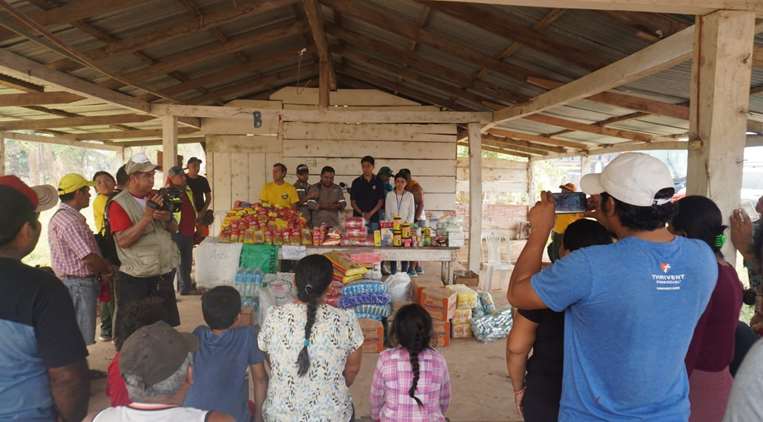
(441, 333)
(354, 223)
(385, 224)
(440, 302)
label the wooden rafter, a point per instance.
(593, 128)
(24, 66)
(499, 150)
(270, 33)
(524, 144)
(537, 138)
(130, 134)
(442, 98)
(20, 100)
(56, 140)
(659, 56)
(389, 21)
(504, 25)
(73, 121)
(19, 84)
(181, 26)
(315, 19)
(685, 7)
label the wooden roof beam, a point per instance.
(130, 134)
(537, 138)
(19, 84)
(57, 140)
(525, 144)
(508, 145)
(73, 121)
(684, 7)
(593, 128)
(23, 66)
(499, 150)
(178, 27)
(653, 59)
(20, 100)
(391, 22)
(505, 26)
(451, 100)
(267, 34)
(315, 19)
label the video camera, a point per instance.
(172, 198)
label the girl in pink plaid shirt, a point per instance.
(411, 381)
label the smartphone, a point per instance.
(569, 202)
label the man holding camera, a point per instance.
(185, 215)
(143, 229)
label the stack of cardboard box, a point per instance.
(440, 302)
(462, 324)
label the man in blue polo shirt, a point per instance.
(631, 307)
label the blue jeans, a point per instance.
(84, 294)
(185, 245)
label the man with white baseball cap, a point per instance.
(630, 307)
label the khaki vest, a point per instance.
(155, 253)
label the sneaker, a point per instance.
(104, 339)
(419, 269)
(412, 273)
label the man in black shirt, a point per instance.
(43, 355)
(202, 193)
(367, 194)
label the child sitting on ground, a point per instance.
(226, 351)
(411, 381)
(135, 316)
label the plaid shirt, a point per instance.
(70, 241)
(392, 380)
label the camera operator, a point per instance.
(143, 231)
(185, 215)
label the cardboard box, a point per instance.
(441, 333)
(456, 239)
(462, 316)
(373, 334)
(440, 302)
(468, 278)
(418, 286)
(461, 330)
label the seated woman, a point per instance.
(314, 351)
(537, 380)
(712, 347)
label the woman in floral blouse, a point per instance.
(314, 351)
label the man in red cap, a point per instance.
(43, 355)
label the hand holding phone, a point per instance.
(569, 202)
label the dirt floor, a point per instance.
(481, 390)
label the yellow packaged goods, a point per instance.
(467, 298)
(373, 334)
(440, 302)
(462, 315)
(441, 333)
(419, 285)
(462, 330)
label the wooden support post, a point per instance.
(531, 182)
(324, 85)
(720, 92)
(169, 142)
(475, 197)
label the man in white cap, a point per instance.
(143, 232)
(631, 307)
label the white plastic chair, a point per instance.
(495, 266)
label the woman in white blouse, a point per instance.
(400, 203)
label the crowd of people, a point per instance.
(636, 318)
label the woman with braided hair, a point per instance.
(411, 381)
(314, 351)
(712, 346)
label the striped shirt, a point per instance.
(70, 241)
(392, 380)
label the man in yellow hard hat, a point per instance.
(75, 256)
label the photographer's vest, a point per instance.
(155, 253)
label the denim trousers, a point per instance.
(185, 246)
(84, 294)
